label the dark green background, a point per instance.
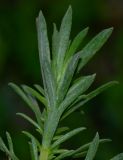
(19, 63)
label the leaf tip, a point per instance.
(97, 136)
(109, 31)
(11, 84)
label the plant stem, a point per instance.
(43, 154)
(50, 126)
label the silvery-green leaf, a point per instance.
(66, 77)
(44, 56)
(55, 41)
(43, 43)
(76, 42)
(101, 89)
(80, 86)
(67, 136)
(93, 46)
(50, 84)
(55, 46)
(88, 97)
(76, 90)
(64, 34)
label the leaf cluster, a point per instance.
(62, 93)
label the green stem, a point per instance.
(50, 127)
(44, 154)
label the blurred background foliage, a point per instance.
(19, 63)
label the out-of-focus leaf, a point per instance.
(118, 157)
(93, 148)
(29, 135)
(61, 130)
(33, 149)
(10, 143)
(40, 89)
(85, 147)
(64, 155)
(3, 148)
(82, 154)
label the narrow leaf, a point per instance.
(3, 147)
(55, 41)
(118, 157)
(40, 89)
(50, 84)
(88, 97)
(93, 148)
(81, 85)
(93, 46)
(64, 155)
(82, 154)
(31, 121)
(66, 77)
(76, 42)
(21, 93)
(101, 89)
(64, 38)
(29, 100)
(43, 43)
(67, 136)
(87, 145)
(55, 46)
(33, 149)
(29, 135)
(61, 130)
(76, 90)
(59, 151)
(34, 93)
(44, 55)
(10, 143)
